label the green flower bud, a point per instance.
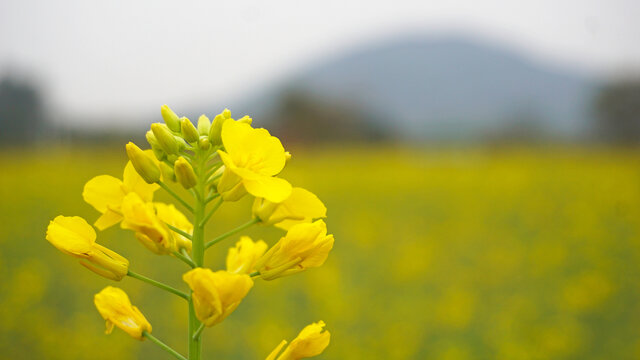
(204, 125)
(189, 132)
(245, 119)
(167, 171)
(184, 173)
(165, 138)
(204, 143)
(216, 129)
(170, 118)
(144, 165)
(155, 147)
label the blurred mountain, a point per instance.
(447, 87)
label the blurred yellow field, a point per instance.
(439, 254)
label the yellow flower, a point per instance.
(115, 308)
(251, 160)
(149, 220)
(300, 207)
(172, 216)
(216, 294)
(305, 246)
(74, 236)
(242, 258)
(310, 342)
(105, 193)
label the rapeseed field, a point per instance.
(475, 253)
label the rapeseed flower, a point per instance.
(311, 341)
(74, 236)
(115, 308)
(106, 193)
(252, 158)
(216, 294)
(301, 206)
(242, 257)
(304, 246)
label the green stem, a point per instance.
(172, 193)
(197, 250)
(212, 197)
(255, 273)
(198, 332)
(213, 210)
(158, 284)
(162, 345)
(184, 258)
(231, 232)
(181, 232)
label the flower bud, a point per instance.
(167, 172)
(144, 165)
(215, 133)
(166, 139)
(170, 118)
(245, 120)
(203, 143)
(155, 146)
(189, 132)
(204, 125)
(114, 306)
(184, 173)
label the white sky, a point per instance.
(128, 57)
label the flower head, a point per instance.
(311, 341)
(106, 193)
(242, 257)
(252, 158)
(115, 308)
(149, 221)
(304, 246)
(301, 206)
(216, 294)
(74, 236)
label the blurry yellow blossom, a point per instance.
(74, 236)
(115, 308)
(252, 158)
(304, 246)
(311, 341)
(242, 257)
(301, 206)
(216, 294)
(105, 193)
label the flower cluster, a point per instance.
(215, 162)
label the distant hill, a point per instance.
(448, 87)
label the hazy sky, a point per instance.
(129, 57)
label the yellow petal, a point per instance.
(253, 149)
(301, 204)
(271, 188)
(102, 191)
(108, 219)
(71, 235)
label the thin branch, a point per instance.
(181, 200)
